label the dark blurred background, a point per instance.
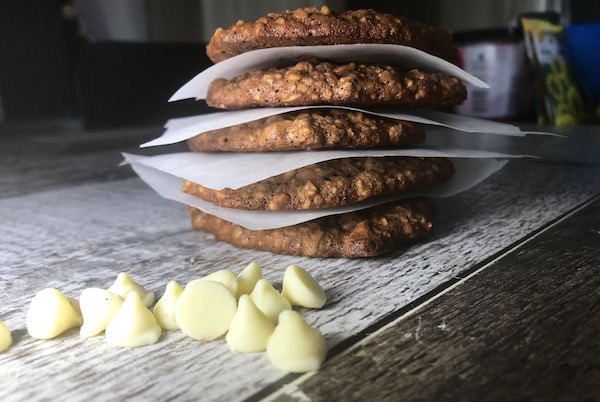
(116, 62)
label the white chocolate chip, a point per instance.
(164, 311)
(250, 328)
(301, 289)
(268, 300)
(247, 279)
(124, 284)
(224, 276)
(51, 313)
(5, 337)
(295, 346)
(133, 325)
(205, 309)
(98, 307)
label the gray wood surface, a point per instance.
(527, 327)
(71, 218)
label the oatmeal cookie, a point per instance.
(311, 129)
(366, 233)
(321, 26)
(331, 183)
(314, 82)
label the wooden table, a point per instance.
(501, 303)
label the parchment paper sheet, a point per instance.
(397, 55)
(219, 170)
(180, 129)
(469, 172)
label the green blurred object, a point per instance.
(557, 96)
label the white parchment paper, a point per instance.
(180, 129)
(219, 170)
(468, 173)
(398, 55)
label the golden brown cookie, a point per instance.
(320, 83)
(311, 129)
(321, 26)
(331, 183)
(367, 233)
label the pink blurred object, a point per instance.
(497, 57)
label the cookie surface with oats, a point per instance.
(366, 233)
(331, 183)
(320, 26)
(314, 82)
(311, 129)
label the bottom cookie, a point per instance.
(366, 233)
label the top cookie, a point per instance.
(320, 26)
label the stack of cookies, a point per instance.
(338, 182)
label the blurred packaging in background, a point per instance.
(558, 100)
(491, 46)
(497, 57)
(539, 66)
(583, 52)
(116, 62)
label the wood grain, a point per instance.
(71, 219)
(525, 328)
(39, 158)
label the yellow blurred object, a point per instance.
(559, 101)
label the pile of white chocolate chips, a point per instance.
(246, 308)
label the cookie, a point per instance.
(311, 129)
(321, 26)
(315, 82)
(331, 183)
(366, 233)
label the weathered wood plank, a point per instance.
(70, 218)
(83, 235)
(525, 328)
(34, 160)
